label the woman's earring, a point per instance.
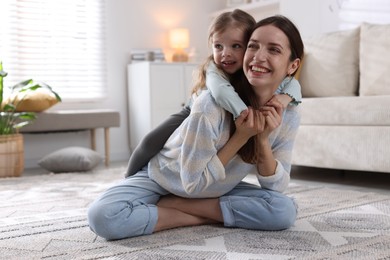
(290, 78)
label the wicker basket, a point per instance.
(11, 155)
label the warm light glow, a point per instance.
(179, 38)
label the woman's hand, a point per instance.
(248, 124)
(272, 111)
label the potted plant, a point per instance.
(11, 120)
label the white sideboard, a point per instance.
(155, 91)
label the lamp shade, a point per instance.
(179, 38)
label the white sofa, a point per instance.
(345, 79)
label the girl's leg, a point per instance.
(127, 209)
(154, 141)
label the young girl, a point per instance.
(215, 74)
(197, 177)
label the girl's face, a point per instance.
(228, 49)
(266, 61)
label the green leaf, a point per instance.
(26, 115)
(9, 108)
(57, 96)
(30, 87)
(21, 124)
(44, 85)
(22, 84)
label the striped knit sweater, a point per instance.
(188, 165)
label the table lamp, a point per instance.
(179, 39)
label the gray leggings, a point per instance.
(154, 141)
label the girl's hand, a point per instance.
(284, 99)
(250, 122)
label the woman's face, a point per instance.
(229, 49)
(266, 60)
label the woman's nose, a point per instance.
(260, 54)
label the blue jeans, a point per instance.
(129, 209)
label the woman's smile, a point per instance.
(260, 69)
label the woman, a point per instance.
(197, 177)
(215, 73)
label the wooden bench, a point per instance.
(77, 120)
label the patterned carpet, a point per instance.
(44, 217)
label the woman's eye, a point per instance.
(274, 50)
(251, 46)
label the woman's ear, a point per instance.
(294, 66)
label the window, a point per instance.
(60, 42)
(353, 12)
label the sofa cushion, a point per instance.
(347, 111)
(374, 59)
(331, 65)
(343, 147)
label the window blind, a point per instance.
(353, 12)
(60, 42)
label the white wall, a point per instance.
(313, 17)
(145, 24)
(130, 24)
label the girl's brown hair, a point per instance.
(236, 18)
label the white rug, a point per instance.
(44, 217)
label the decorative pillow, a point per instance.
(331, 65)
(374, 59)
(71, 159)
(34, 101)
